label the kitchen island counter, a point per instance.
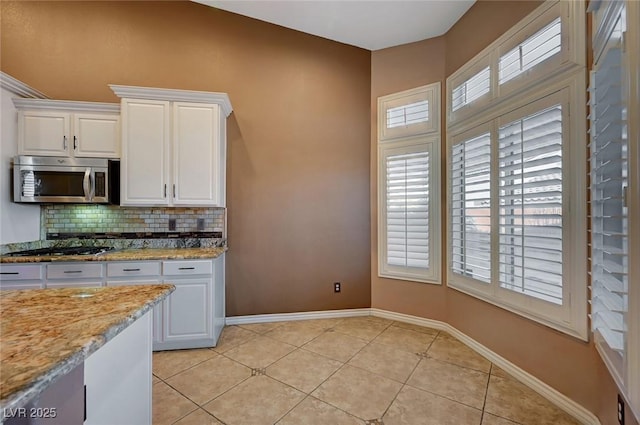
(139, 254)
(46, 333)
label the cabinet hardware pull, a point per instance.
(174, 190)
(73, 271)
(186, 268)
(85, 402)
(9, 272)
(165, 190)
(75, 143)
(64, 142)
(130, 270)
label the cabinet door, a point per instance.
(198, 162)
(43, 133)
(144, 172)
(96, 135)
(187, 311)
(157, 310)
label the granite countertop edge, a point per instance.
(134, 254)
(23, 396)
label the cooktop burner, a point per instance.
(69, 250)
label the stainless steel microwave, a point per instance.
(44, 179)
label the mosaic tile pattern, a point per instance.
(62, 218)
(350, 371)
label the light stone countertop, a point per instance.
(46, 333)
(126, 255)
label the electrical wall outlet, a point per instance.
(200, 224)
(172, 224)
(336, 287)
(620, 410)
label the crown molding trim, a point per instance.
(66, 105)
(152, 93)
(19, 88)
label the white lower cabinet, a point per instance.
(193, 315)
(117, 378)
(138, 273)
(187, 315)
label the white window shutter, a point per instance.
(471, 89)
(408, 210)
(609, 179)
(406, 115)
(530, 211)
(544, 44)
(470, 182)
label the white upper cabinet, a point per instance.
(65, 128)
(144, 168)
(198, 155)
(173, 147)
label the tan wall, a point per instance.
(571, 366)
(298, 140)
(392, 70)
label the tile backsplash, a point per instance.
(63, 218)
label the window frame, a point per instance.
(421, 137)
(571, 316)
(562, 73)
(430, 93)
(572, 57)
(461, 76)
(417, 144)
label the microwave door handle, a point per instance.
(86, 184)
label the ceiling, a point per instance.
(371, 25)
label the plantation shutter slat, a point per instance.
(406, 115)
(470, 181)
(407, 205)
(530, 200)
(609, 178)
(472, 89)
(541, 46)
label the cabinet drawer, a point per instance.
(185, 268)
(74, 284)
(20, 272)
(9, 284)
(74, 271)
(133, 269)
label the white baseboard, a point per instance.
(307, 315)
(563, 402)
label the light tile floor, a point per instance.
(361, 370)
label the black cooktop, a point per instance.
(67, 250)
